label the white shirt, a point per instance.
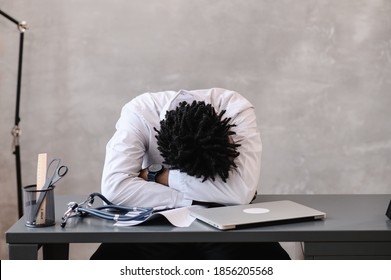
(134, 147)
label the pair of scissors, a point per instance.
(57, 171)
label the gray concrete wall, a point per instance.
(318, 73)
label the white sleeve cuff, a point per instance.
(176, 182)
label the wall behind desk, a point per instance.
(317, 72)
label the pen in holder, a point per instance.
(39, 206)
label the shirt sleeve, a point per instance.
(242, 182)
(125, 154)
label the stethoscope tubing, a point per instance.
(143, 212)
(109, 211)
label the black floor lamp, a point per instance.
(22, 27)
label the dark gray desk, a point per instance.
(355, 228)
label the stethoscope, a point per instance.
(110, 211)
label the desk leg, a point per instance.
(56, 251)
(23, 251)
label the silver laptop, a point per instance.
(263, 213)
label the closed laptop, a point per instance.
(263, 213)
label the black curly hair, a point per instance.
(196, 140)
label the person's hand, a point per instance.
(161, 178)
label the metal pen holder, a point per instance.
(39, 216)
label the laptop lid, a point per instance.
(230, 217)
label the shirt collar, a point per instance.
(180, 96)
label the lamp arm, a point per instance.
(16, 131)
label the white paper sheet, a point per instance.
(179, 217)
